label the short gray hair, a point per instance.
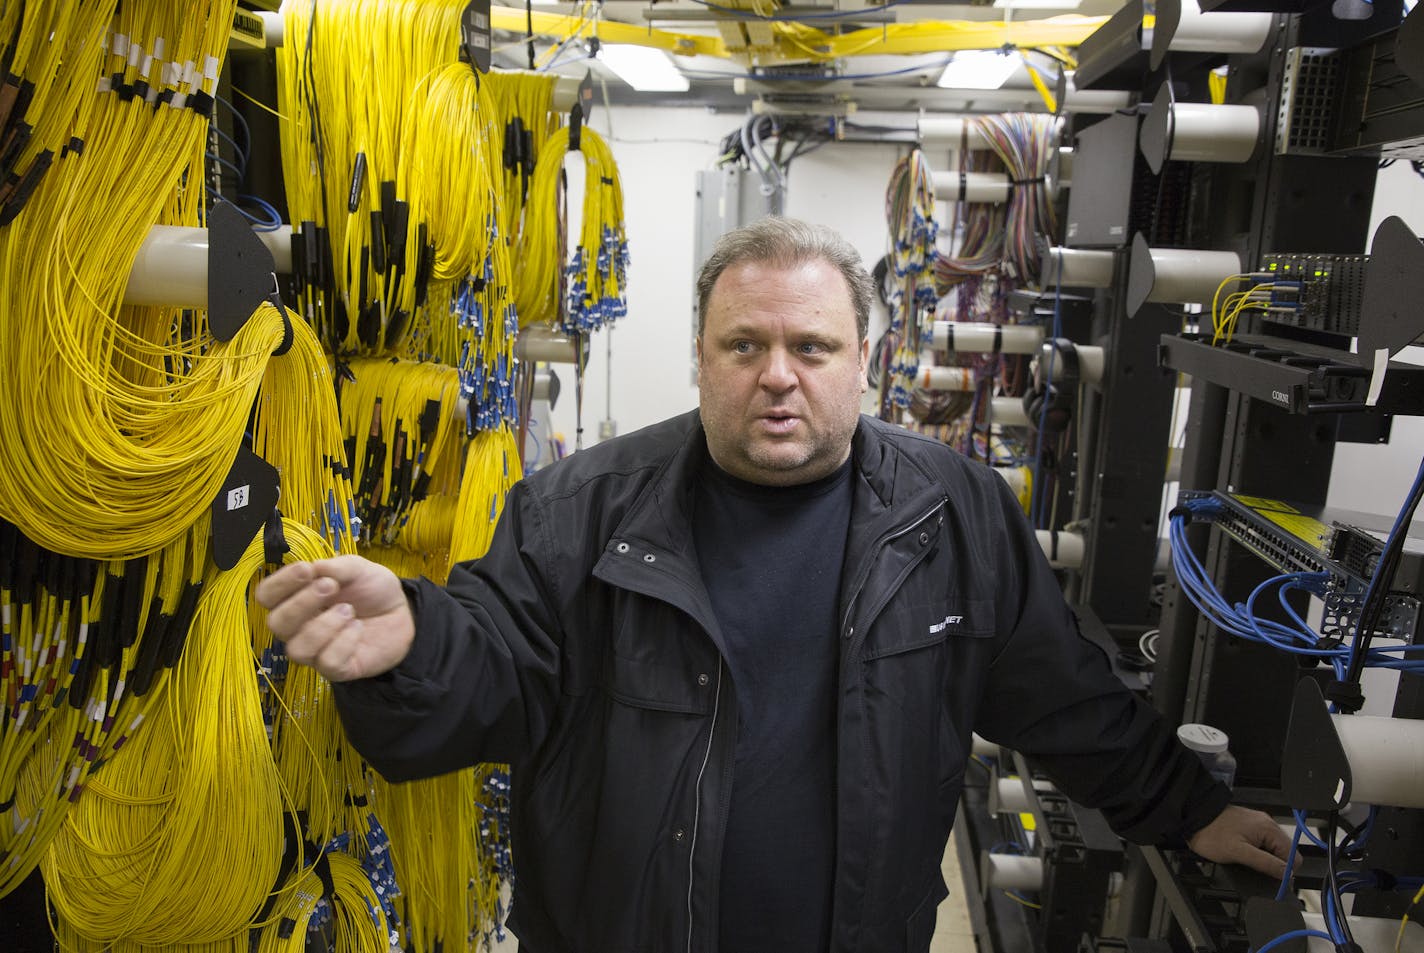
(785, 242)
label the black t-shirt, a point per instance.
(771, 559)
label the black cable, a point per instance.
(529, 29)
(1332, 883)
(1371, 611)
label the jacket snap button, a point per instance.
(679, 834)
(703, 679)
(649, 557)
(924, 538)
(622, 547)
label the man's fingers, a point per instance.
(1263, 861)
(278, 587)
(326, 641)
(291, 617)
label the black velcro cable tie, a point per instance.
(274, 540)
(1185, 512)
(1053, 546)
(606, 180)
(1348, 696)
(287, 333)
(1034, 181)
(38, 166)
(7, 805)
(285, 927)
(322, 869)
(963, 184)
(202, 104)
(998, 338)
(575, 126)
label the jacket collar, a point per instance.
(889, 482)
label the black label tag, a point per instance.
(241, 507)
(475, 34)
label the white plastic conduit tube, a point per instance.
(1386, 758)
(989, 187)
(1063, 548)
(1081, 267)
(1176, 275)
(1090, 362)
(1198, 132)
(983, 337)
(171, 267)
(1214, 32)
(1012, 872)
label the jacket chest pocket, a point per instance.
(686, 687)
(905, 629)
(919, 672)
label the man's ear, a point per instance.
(697, 345)
(864, 365)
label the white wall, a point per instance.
(659, 152)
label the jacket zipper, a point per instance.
(697, 801)
(880, 544)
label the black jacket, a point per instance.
(583, 650)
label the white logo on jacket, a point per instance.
(949, 620)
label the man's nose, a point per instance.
(778, 374)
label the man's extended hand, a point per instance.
(1240, 835)
(346, 617)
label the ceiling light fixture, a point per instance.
(644, 68)
(979, 69)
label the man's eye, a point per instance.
(812, 347)
(742, 347)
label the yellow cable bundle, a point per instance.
(541, 240)
(399, 420)
(99, 689)
(358, 922)
(526, 121)
(491, 467)
(461, 296)
(434, 831)
(298, 431)
(118, 422)
(56, 50)
(449, 143)
(196, 791)
(345, 80)
(597, 271)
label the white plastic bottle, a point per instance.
(1211, 745)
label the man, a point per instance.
(736, 657)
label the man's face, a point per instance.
(780, 371)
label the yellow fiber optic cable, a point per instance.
(196, 789)
(100, 697)
(436, 856)
(353, 909)
(526, 121)
(596, 272)
(297, 429)
(491, 467)
(119, 421)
